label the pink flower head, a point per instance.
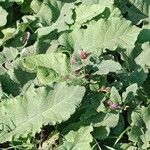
(112, 105)
(83, 54)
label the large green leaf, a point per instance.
(143, 59)
(76, 140)
(47, 76)
(62, 23)
(104, 119)
(102, 45)
(49, 12)
(140, 131)
(8, 33)
(56, 61)
(3, 16)
(90, 11)
(109, 120)
(102, 34)
(130, 93)
(36, 5)
(107, 66)
(142, 5)
(36, 107)
(114, 96)
(10, 53)
(135, 10)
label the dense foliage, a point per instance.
(74, 74)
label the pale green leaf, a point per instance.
(140, 132)
(110, 120)
(36, 5)
(9, 33)
(10, 53)
(142, 5)
(143, 59)
(76, 140)
(37, 107)
(107, 66)
(102, 119)
(130, 92)
(90, 11)
(49, 11)
(62, 22)
(145, 139)
(145, 113)
(56, 61)
(102, 34)
(47, 76)
(3, 16)
(114, 96)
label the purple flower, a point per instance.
(83, 54)
(112, 105)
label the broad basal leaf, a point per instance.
(56, 61)
(130, 92)
(49, 12)
(143, 59)
(10, 53)
(3, 16)
(76, 140)
(90, 11)
(107, 66)
(62, 23)
(102, 34)
(142, 5)
(8, 33)
(47, 76)
(101, 119)
(140, 131)
(36, 107)
(35, 5)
